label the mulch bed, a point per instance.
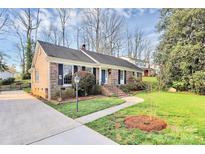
(145, 123)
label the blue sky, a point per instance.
(145, 19)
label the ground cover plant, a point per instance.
(87, 106)
(183, 112)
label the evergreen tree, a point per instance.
(181, 52)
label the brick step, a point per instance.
(113, 90)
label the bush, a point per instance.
(7, 81)
(70, 93)
(96, 90)
(28, 90)
(66, 94)
(197, 82)
(136, 86)
(87, 82)
(179, 85)
(26, 76)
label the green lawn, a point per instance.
(149, 79)
(184, 113)
(87, 106)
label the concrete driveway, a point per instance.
(26, 120)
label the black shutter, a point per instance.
(118, 76)
(75, 68)
(125, 77)
(94, 73)
(83, 68)
(60, 74)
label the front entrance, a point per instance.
(104, 77)
(146, 72)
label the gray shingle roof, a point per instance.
(63, 52)
(111, 60)
(72, 54)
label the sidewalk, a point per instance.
(82, 135)
(131, 100)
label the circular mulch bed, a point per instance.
(145, 123)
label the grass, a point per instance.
(152, 82)
(149, 79)
(184, 113)
(87, 106)
(28, 90)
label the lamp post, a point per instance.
(76, 80)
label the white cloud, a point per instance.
(127, 13)
(152, 11)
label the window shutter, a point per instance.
(118, 76)
(75, 68)
(125, 77)
(83, 68)
(94, 73)
(60, 74)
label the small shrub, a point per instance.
(96, 90)
(26, 76)
(65, 94)
(7, 81)
(87, 81)
(70, 93)
(28, 90)
(179, 85)
(136, 86)
(197, 82)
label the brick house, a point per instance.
(53, 67)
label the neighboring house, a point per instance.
(9, 73)
(53, 67)
(148, 69)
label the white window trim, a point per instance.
(70, 84)
(106, 76)
(122, 81)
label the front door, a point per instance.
(104, 77)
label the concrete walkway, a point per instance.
(96, 115)
(26, 120)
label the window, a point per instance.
(36, 75)
(89, 69)
(121, 77)
(67, 74)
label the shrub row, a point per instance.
(87, 86)
(7, 81)
(133, 87)
(194, 83)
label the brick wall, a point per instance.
(113, 77)
(129, 74)
(54, 87)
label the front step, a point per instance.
(111, 90)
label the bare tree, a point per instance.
(64, 15)
(139, 43)
(52, 35)
(3, 19)
(112, 33)
(92, 27)
(20, 46)
(29, 20)
(147, 51)
(130, 45)
(102, 30)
